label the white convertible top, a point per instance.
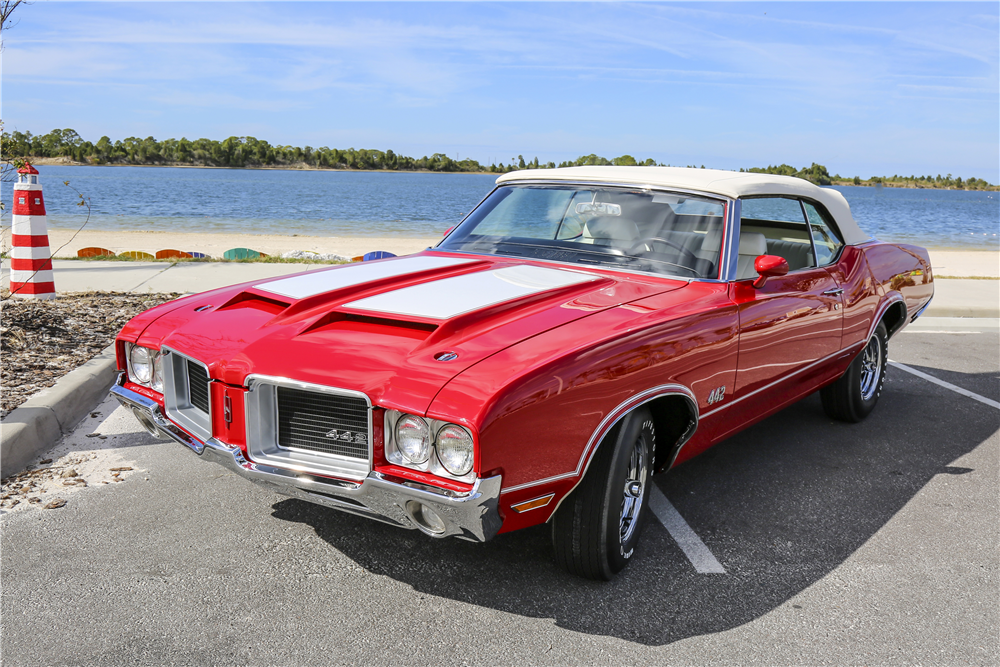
(727, 183)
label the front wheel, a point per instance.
(854, 395)
(596, 530)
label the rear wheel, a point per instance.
(595, 531)
(854, 395)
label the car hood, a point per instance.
(396, 329)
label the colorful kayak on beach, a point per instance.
(242, 253)
(94, 251)
(169, 253)
(136, 254)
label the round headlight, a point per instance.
(157, 383)
(413, 438)
(142, 364)
(454, 449)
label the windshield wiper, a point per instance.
(632, 259)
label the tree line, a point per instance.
(818, 174)
(253, 152)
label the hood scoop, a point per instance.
(450, 297)
(375, 326)
(256, 302)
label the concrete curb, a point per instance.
(37, 425)
(956, 297)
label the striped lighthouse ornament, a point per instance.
(30, 259)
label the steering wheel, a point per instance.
(659, 239)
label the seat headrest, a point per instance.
(753, 244)
(612, 227)
(712, 241)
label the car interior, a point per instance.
(666, 231)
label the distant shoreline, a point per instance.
(907, 186)
(301, 166)
(66, 162)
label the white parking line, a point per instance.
(689, 542)
(946, 385)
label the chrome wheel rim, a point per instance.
(633, 493)
(871, 367)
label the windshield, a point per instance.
(665, 233)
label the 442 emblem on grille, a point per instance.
(347, 436)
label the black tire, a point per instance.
(596, 529)
(854, 395)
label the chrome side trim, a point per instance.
(610, 420)
(261, 417)
(840, 352)
(472, 516)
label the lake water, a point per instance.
(320, 203)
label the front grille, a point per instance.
(323, 423)
(198, 385)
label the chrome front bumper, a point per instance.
(471, 516)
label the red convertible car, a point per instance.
(578, 331)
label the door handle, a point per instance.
(833, 292)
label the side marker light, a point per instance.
(533, 504)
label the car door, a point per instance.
(791, 324)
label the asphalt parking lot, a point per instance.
(841, 544)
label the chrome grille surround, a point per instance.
(179, 371)
(276, 437)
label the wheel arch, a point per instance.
(894, 317)
(675, 412)
(891, 312)
(675, 419)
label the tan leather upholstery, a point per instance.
(798, 255)
(752, 246)
(612, 231)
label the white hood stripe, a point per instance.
(446, 298)
(317, 282)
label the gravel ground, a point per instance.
(40, 341)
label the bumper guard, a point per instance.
(470, 516)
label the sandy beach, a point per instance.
(216, 244)
(946, 263)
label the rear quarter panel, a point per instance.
(901, 272)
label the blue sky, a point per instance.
(864, 88)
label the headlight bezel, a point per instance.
(155, 363)
(433, 464)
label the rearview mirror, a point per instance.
(599, 208)
(769, 266)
